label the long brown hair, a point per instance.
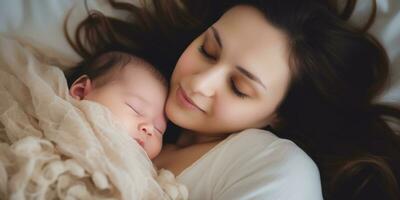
(338, 71)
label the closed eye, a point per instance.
(203, 51)
(132, 108)
(158, 130)
(236, 91)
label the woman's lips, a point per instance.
(185, 100)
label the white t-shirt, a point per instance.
(253, 164)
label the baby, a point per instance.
(131, 88)
(53, 148)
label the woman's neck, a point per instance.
(189, 138)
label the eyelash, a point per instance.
(203, 51)
(237, 92)
(133, 109)
(158, 131)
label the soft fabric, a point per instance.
(41, 24)
(55, 147)
(253, 164)
(386, 28)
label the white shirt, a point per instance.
(253, 164)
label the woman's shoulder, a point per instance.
(267, 145)
(256, 164)
(257, 135)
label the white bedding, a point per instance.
(52, 146)
(386, 28)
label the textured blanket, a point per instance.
(54, 147)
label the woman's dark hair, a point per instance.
(329, 110)
(337, 71)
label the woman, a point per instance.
(292, 67)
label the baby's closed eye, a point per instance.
(134, 109)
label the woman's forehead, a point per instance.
(250, 41)
(247, 26)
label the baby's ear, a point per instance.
(81, 87)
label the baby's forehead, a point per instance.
(143, 87)
(121, 62)
(143, 68)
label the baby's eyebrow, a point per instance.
(134, 95)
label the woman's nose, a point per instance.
(207, 81)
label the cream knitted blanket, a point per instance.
(54, 147)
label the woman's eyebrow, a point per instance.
(239, 68)
(250, 76)
(216, 36)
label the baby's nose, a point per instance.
(146, 129)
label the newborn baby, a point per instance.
(55, 147)
(132, 89)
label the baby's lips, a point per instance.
(139, 141)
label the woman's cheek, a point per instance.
(220, 111)
(231, 113)
(189, 62)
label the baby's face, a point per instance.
(136, 97)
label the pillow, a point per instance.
(39, 24)
(386, 28)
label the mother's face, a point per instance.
(231, 77)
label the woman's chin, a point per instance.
(181, 118)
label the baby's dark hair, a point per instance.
(97, 66)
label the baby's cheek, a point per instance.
(159, 144)
(155, 147)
